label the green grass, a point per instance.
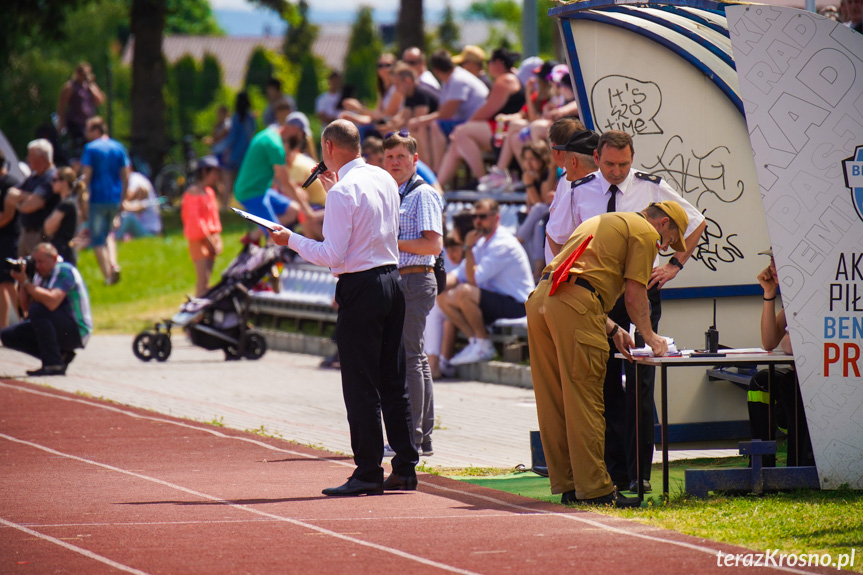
(802, 521)
(157, 275)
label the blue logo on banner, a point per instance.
(854, 179)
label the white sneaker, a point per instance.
(486, 349)
(482, 350)
(466, 353)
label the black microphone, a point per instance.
(319, 169)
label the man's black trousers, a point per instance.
(369, 338)
(44, 334)
(620, 405)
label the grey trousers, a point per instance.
(420, 291)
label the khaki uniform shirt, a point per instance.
(623, 247)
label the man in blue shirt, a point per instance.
(106, 173)
(58, 313)
(420, 242)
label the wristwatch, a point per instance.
(675, 262)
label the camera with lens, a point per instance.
(27, 265)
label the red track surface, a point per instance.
(91, 487)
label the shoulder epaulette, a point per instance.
(648, 177)
(583, 180)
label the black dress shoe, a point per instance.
(397, 482)
(68, 356)
(355, 487)
(633, 486)
(48, 370)
(568, 497)
(613, 499)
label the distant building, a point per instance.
(233, 52)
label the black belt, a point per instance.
(579, 281)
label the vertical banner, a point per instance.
(801, 80)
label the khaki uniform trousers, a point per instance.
(568, 380)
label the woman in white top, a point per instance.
(389, 100)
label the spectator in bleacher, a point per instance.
(240, 134)
(389, 100)
(439, 336)
(575, 155)
(327, 104)
(255, 187)
(309, 203)
(420, 242)
(201, 223)
(471, 140)
(420, 100)
(540, 180)
(415, 58)
(539, 91)
(472, 59)
(273, 92)
(62, 224)
(462, 94)
(139, 215)
(492, 283)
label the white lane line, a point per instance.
(321, 530)
(177, 423)
(578, 517)
(265, 520)
(522, 509)
(70, 547)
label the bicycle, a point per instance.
(173, 179)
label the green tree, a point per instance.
(192, 17)
(448, 31)
(364, 48)
(209, 81)
(259, 70)
(300, 35)
(183, 87)
(309, 86)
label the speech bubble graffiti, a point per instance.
(626, 104)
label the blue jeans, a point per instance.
(100, 222)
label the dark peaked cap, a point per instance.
(581, 142)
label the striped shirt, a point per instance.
(421, 210)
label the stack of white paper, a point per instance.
(646, 351)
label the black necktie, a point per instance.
(612, 203)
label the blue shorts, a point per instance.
(269, 206)
(447, 126)
(100, 222)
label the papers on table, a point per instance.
(646, 351)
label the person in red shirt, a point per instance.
(201, 224)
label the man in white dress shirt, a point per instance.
(361, 247)
(616, 187)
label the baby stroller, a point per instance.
(219, 319)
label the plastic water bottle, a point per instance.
(499, 132)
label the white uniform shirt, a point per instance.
(633, 195)
(559, 226)
(361, 229)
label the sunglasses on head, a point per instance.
(402, 133)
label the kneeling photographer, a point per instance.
(57, 309)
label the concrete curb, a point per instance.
(497, 372)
